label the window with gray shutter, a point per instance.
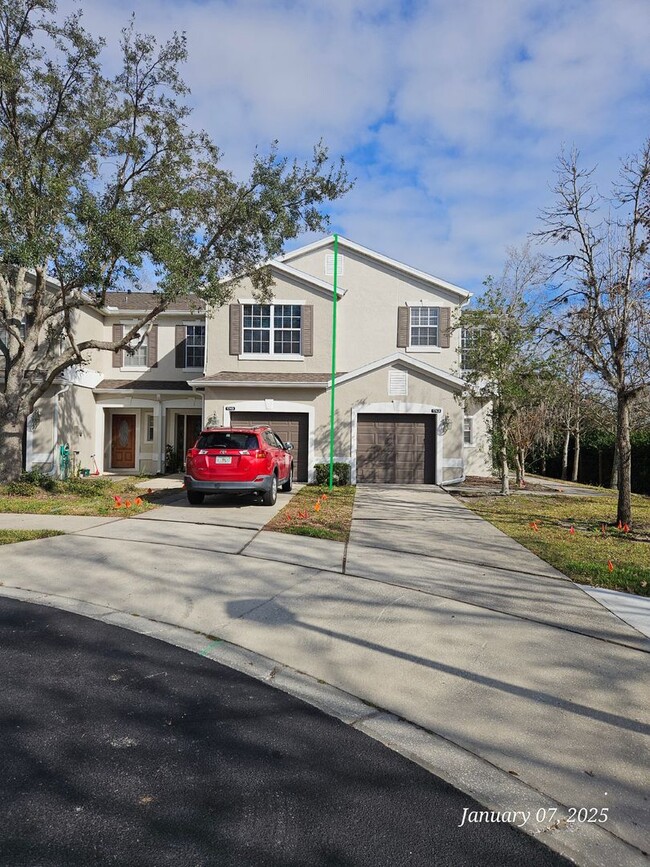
(402, 327)
(180, 346)
(308, 329)
(118, 334)
(152, 347)
(445, 327)
(235, 329)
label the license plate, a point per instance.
(222, 460)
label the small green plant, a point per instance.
(340, 474)
(21, 488)
(83, 487)
(173, 460)
(38, 478)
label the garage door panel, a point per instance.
(290, 427)
(397, 449)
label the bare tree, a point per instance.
(603, 299)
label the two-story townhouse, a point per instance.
(125, 412)
(400, 416)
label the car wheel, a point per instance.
(271, 495)
(195, 498)
(286, 487)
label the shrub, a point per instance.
(21, 488)
(38, 478)
(83, 487)
(340, 475)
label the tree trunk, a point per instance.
(624, 514)
(543, 466)
(518, 469)
(576, 453)
(11, 448)
(613, 481)
(565, 453)
(522, 462)
(505, 482)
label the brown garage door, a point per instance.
(290, 427)
(396, 449)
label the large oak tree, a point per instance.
(104, 185)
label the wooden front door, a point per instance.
(123, 442)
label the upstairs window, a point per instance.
(138, 357)
(468, 341)
(195, 346)
(424, 326)
(271, 329)
(468, 431)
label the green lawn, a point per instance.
(596, 553)
(316, 511)
(95, 497)
(8, 537)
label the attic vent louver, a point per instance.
(329, 265)
(397, 382)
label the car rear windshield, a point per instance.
(227, 440)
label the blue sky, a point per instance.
(450, 113)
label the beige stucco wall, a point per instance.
(166, 369)
(366, 318)
(367, 313)
(367, 393)
(478, 457)
(60, 417)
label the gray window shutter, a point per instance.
(152, 347)
(444, 327)
(403, 322)
(235, 329)
(308, 329)
(118, 334)
(180, 345)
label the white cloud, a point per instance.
(451, 113)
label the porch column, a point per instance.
(161, 438)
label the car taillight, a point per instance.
(260, 455)
(192, 453)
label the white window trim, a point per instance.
(259, 356)
(134, 369)
(432, 347)
(205, 342)
(270, 356)
(275, 301)
(471, 443)
(146, 427)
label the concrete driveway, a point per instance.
(430, 614)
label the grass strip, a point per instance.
(318, 512)
(8, 537)
(596, 552)
(92, 497)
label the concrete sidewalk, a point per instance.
(439, 618)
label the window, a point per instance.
(138, 358)
(195, 346)
(424, 326)
(271, 329)
(149, 429)
(468, 338)
(468, 430)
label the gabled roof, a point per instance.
(345, 244)
(304, 277)
(406, 361)
(145, 301)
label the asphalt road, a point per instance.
(119, 749)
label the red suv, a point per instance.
(238, 461)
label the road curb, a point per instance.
(588, 845)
